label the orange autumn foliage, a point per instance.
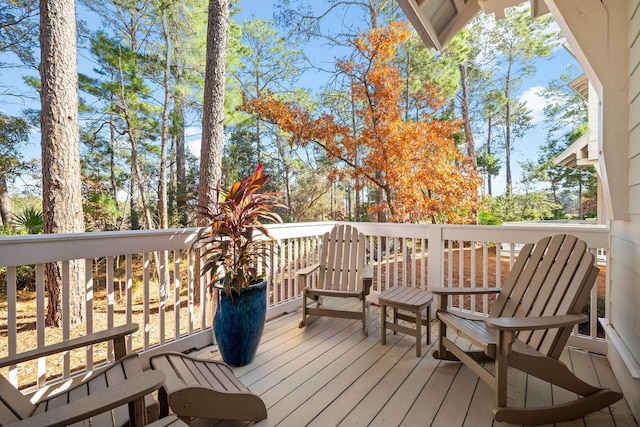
(416, 163)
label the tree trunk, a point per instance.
(181, 170)
(5, 202)
(466, 118)
(489, 127)
(112, 163)
(61, 183)
(382, 216)
(213, 114)
(580, 210)
(163, 210)
(507, 124)
(354, 129)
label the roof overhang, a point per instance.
(438, 21)
(581, 86)
(576, 156)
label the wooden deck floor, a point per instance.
(330, 374)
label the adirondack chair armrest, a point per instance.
(304, 272)
(366, 272)
(515, 324)
(116, 335)
(366, 275)
(97, 403)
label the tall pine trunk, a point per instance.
(213, 115)
(61, 183)
(5, 202)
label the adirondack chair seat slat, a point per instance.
(475, 331)
(528, 327)
(341, 273)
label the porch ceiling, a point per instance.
(438, 21)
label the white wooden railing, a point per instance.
(121, 283)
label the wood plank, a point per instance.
(396, 407)
(451, 412)
(620, 411)
(560, 395)
(480, 409)
(331, 374)
(427, 403)
(583, 368)
(394, 370)
(314, 332)
(336, 379)
(302, 385)
(295, 358)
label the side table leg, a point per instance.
(395, 318)
(418, 315)
(428, 324)
(383, 328)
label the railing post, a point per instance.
(435, 273)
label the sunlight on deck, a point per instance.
(330, 374)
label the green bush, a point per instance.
(30, 219)
(488, 218)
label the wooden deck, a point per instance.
(329, 374)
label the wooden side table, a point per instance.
(407, 299)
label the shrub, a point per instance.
(488, 218)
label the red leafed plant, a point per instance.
(234, 240)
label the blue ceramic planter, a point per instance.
(238, 326)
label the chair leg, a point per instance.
(364, 317)
(303, 322)
(383, 325)
(418, 332)
(428, 324)
(500, 387)
(164, 402)
(441, 352)
(138, 413)
(395, 319)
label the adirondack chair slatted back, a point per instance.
(552, 277)
(342, 257)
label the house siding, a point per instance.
(624, 290)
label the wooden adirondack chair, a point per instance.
(113, 396)
(528, 327)
(198, 388)
(341, 272)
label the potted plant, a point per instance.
(233, 243)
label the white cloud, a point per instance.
(194, 146)
(193, 136)
(192, 130)
(535, 103)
